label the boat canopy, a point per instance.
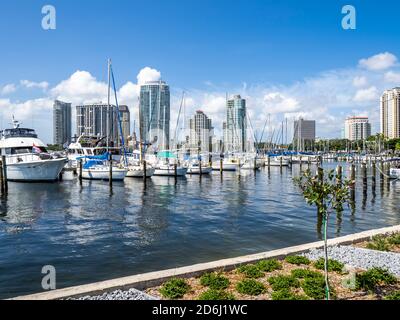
(105, 156)
(92, 163)
(166, 155)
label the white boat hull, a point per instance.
(139, 172)
(394, 173)
(35, 171)
(103, 174)
(226, 166)
(196, 170)
(170, 172)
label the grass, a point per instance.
(373, 278)
(297, 260)
(212, 294)
(314, 287)
(287, 295)
(393, 296)
(215, 281)
(174, 289)
(251, 271)
(333, 265)
(394, 239)
(379, 243)
(269, 265)
(250, 287)
(282, 282)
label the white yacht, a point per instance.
(278, 161)
(26, 156)
(194, 168)
(136, 168)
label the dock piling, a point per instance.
(110, 172)
(5, 180)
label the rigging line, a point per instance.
(177, 121)
(252, 129)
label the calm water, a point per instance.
(89, 234)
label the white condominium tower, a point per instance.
(235, 126)
(201, 132)
(390, 113)
(357, 128)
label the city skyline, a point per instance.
(290, 61)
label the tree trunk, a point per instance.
(327, 291)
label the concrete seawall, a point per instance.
(151, 279)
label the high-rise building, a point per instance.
(236, 125)
(61, 123)
(125, 117)
(155, 114)
(304, 133)
(357, 128)
(390, 113)
(201, 132)
(98, 120)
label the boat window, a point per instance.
(21, 150)
(89, 152)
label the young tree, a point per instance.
(328, 193)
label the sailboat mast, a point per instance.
(108, 104)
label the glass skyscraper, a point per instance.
(61, 123)
(155, 114)
(235, 127)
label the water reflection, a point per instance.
(92, 234)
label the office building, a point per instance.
(304, 134)
(201, 131)
(155, 114)
(357, 128)
(61, 123)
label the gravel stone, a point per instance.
(131, 294)
(360, 257)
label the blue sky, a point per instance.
(209, 47)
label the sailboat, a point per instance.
(99, 167)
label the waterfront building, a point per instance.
(98, 120)
(61, 123)
(201, 132)
(304, 134)
(155, 114)
(357, 128)
(235, 127)
(390, 113)
(125, 117)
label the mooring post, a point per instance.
(339, 175)
(388, 173)
(144, 171)
(210, 160)
(1, 177)
(221, 166)
(373, 174)
(80, 171)
(301, 162)
(5, 179)
(255, 164)
(353, 181)
(269, 163)
(201, 169)
(175, 170)
(110, 172)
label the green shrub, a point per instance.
(214, 281)
(394, 239)
(251, 271)
(393, 296)
(305, 273)
(373, 278)
(282, 282)
(174, 288)
(213, 294)
(250, 287)
(333, 265)
(269, 265)
(298, 260)
(379, 243)
(315, 288)
(287, 295)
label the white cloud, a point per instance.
(277, 102)
(34, 85)
(365, 95)
(8, 88)
(392, 77)
(360, 81)
(379, 62)
(148, 74)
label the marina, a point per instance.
(87, 230)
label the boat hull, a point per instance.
(104, 174)
(170, 172)
(196, 170)
(139, 173)
(225, 167)
(394, 173)
(36, 171)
